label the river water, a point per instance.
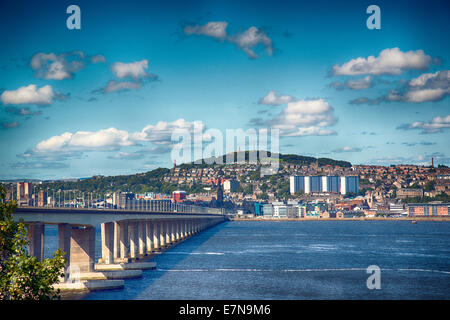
(296, 260)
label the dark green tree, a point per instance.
(23, 277)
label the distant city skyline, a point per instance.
(104, 100)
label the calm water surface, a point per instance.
(296, 260)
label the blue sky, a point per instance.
(104, 99)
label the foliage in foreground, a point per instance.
(24, 277)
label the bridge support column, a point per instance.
(123, 239)
(116, 248)
(191, 227)
(149, 236)
(173, 230)
(64, 235)
(162, 233)
(178, 233)
(36, 240)
(197, 225)
(133, 238)
(107, 231)
(156, 234)
(183, 229)
(82, 248)
(168, 225)
(142, 237)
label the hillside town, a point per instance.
(296, 191)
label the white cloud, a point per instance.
(389, 61)
(347, 149)
(112, 139)
(356, 84)
(211, 29)
(246, 40)
(28, 95)
(424, 95)
(271, 99)
(161, 133)
(135, 70)
(127, 155)
(98, 58)
(420, 159)
(435, 125)
(135, 73)
(359, 84)
(429, 87)
(251, 38)
(114, 86)
(105, 139)
(426, 87)
(305, 117)
(53, 66)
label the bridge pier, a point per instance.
(162, 234)
(107, 231)
(123, 238)
(82, 248)
(36, 240)
(173, 231)
(142, 238)
(64, 239)
(156, 234)
(167, 232)
(133, 239)
(190, 227)
(182, 229)
(130, 237)
(178, 227)
(149, 236)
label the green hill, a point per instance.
(152, 181)
(284, 158)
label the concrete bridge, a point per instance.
(127, 236)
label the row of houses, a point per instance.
(316, 209)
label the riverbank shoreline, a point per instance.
(441, 219)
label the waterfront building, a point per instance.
(268, 211)
(279, 210)
(301, 211)
(178, 196)
(292, 212)
(396, 208)
(259, 209)
(428, 209)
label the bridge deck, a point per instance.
(95, 217)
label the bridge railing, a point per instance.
(135, 205)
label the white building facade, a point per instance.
(328, 184)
